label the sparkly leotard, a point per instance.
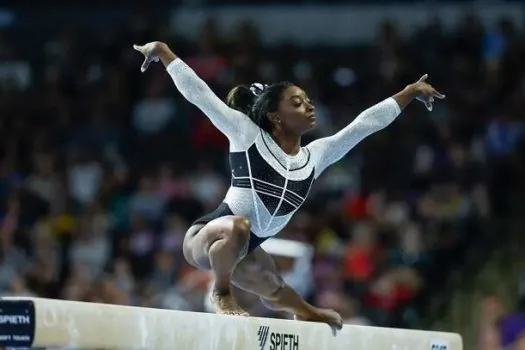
(268, 186)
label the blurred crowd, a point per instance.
(102, 168)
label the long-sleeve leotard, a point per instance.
(328, 150)
(269, 186)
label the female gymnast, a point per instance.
(271, 177)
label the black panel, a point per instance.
(238, 164)
(270, 202)
(268, 182)
(285, 209)
(262, 170)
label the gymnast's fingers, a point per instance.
(438, 95)
(139, 48)
(146, 63)
(423, 78)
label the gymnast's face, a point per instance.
(296, 113)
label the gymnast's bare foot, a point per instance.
(322, 315)
(225, 304)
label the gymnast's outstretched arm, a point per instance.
(233, 124)
(328, 150)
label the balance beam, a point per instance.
(36, 322)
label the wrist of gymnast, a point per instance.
(166, 56)
(411, 91)
(405, 96)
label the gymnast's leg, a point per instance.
(218, 246)
(257, 273)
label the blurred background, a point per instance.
(102, 168)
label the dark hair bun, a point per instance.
(241, 98)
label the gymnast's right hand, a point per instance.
(153, 52)
(323, 315)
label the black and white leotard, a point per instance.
(268, 186)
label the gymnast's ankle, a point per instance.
(219, 291)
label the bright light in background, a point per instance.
(344, 77)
